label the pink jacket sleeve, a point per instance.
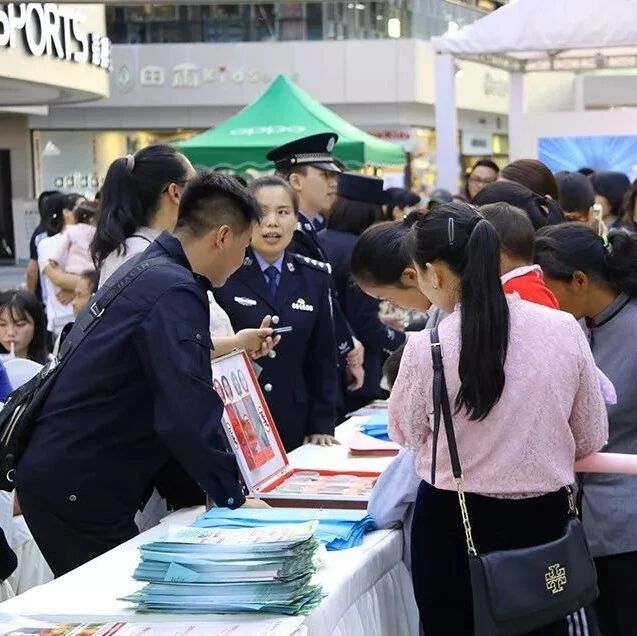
(589, 418)
(411, 394)
(61, 253)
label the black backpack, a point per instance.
(22, 407)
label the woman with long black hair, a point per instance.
(541, 210)
(382, 267)
(595, 278)
(518, 431)
(139, 200)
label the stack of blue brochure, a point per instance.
(337, 529)
(230, 570)
(376, 425)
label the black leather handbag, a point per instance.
(516, 591)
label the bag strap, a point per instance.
(441, 404)
(91, 314)
(141, 236)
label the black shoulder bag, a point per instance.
(21, 410)
(516, 591)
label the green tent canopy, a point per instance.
(283, 113)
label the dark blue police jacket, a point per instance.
(361, 311)
(306, 243)
(299, 381)
(136, 392)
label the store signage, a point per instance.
(392, 135)
(477, 143)
(494, 86)
(47, 29)
(77, 180)
(188, 75)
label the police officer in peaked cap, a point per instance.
(308, 165)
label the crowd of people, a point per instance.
(506, 269)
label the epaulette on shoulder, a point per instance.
(313, 263)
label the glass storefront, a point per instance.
(420, 143)
(259, 22)
(77, 160)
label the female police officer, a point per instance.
(299, 379)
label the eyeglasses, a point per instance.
(481, 180)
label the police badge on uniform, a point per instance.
(246, 302)
(301, 305)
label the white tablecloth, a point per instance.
(337, 457)
(369, 589)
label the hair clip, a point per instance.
(451, 230)
(130, 163)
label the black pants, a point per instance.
(439, 562)
(67, 544)
(617, 575)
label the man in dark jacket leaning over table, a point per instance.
(138, 391)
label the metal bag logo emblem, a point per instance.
(555, 578)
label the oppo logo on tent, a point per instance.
(54, 31)
(266, 130)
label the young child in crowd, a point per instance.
(73, 254)
(85, 287)
(23, 326)
(517, 236)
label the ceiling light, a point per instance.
(393, 28)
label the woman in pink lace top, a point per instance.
(528, 404)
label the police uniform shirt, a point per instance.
(136, 392)
(264, 265)
(320, 223)
(299, 378)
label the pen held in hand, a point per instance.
(279, 330)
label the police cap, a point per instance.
(358, 187)
(315, 150)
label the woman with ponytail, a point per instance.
(540, 209)
(139, 200)
(518, 431)
(595, 279)
(382, 267)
